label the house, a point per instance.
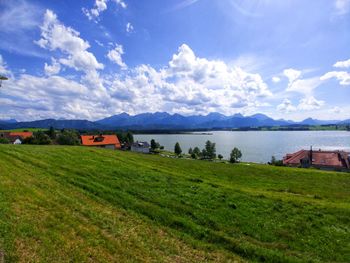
(102, 141)
(326, 160)
(141, 147)
(15, 137)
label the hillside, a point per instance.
(93, 205)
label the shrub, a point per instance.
(4, 141)
(38, 137)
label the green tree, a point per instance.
(209, 152)
(177, 149)
(235, 155)
(197, 151)
(273, 160)
(129, 137)
(220, 157)
(68, 137)
(52, 133)
(190, 151)
(153, 144)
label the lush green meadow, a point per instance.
(76, 204)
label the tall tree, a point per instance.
(177, 149)
(153, 144)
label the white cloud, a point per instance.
(286, 106)
(292, 74)
(276, 79)
(336, 109)
(52, 69)
(99, 7)
(129, 27)
(342, 76)
(56, 36)
(342, 64)
(187, 84)
(303, 86)
(342, 6)
(310, 103)
(3, 66)
(115, 55)
(121, 3)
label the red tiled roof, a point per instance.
(98, 140)
(21, 134)
(319, 158)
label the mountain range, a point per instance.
(166, 121)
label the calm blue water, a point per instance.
(256, 146)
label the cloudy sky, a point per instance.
(89, 59)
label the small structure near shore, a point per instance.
(141, 147)
(326, 160)
(102, 141)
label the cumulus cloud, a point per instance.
(188, 84)
(310, 103)
(115, 55)
(286, 106)
(305, 104)
(52, 69)
(297, 84)
(292, 74)
(56, 36)
(342, 64)
(99, 7)
(342, 76)
(276, 79)
(129, 27)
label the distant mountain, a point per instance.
(166, 121)
(345, 122)
(8, 121)
(310, 121)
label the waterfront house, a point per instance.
(141, 147)
(326, 160)
(15, 137)
(102, 141)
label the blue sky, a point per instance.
(90, 59)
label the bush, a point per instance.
(68, 137)
(235, 155)
(275, 162)
(39, 138)
(4, 141)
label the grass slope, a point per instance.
(85, 204)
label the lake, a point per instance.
(256, 146)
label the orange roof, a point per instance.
(320, 158)
(21, 134)
(98, 140)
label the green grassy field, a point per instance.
(76, 204)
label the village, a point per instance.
(320, 159)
